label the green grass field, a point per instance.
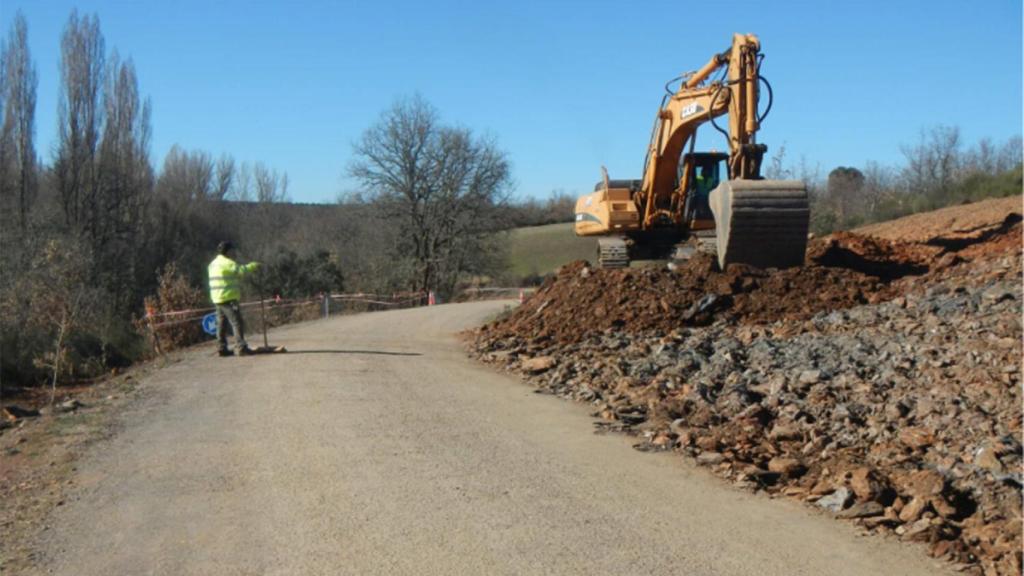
(539, 250)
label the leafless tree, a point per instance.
(241, 185)
(933, 163)
(125, 174)
(80, 118)
(1010, 155)
(225, 177)
(441, 186)
(776, 169)
(270, 186)
(878, 187)
(186, 177)
(18, 82)
(61, 302)
(188, 219)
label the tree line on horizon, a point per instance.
(938, 170)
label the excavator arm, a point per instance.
(693, 104)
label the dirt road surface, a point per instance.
(376, 447)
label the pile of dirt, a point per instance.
(881, 382)
(843, 271)
(964, 221)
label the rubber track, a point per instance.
(612, 252)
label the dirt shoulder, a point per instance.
(40, 449)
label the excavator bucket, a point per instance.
(761, 223)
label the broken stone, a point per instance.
(998, 293)
(866, 484)
(919, 531)
(944, 508)
(707, 443)
(917, 437)
(709, 458)
(69, 405)
(941, 548)
(788, 431)
(913, 510)
(924, 483)
(862, 510)
(809, 377)
(538, 364)
(836, 501)
(987, 458)
(786, 466)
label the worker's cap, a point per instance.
(224, 247)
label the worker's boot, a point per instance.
(225, 352)
(245, 351)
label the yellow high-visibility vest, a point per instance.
(224, 276)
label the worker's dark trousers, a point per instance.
(233, 312)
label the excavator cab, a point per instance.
(705, 173)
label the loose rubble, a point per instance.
(881, 382)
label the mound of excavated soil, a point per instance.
(843, 271)
(964, 221)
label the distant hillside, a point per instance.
(539, 250)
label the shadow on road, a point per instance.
(380, 352)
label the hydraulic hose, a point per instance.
(771, 98)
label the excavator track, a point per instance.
(761, 223)
(612, 252)
(701, 242)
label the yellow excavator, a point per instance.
(688, 201)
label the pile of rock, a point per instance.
(903, 414)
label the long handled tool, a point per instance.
(266, 348)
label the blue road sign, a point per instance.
(210, 323)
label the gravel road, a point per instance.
(376, 447)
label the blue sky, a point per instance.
(564, 87)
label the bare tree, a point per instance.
(225, 177)
(18, 82)
(776, 169)
(186, 177)
(441, 186)
(61, 302)
(1010, 155)
(125, 176)
(80, 118)
(878, 187)
(189, 218)
(933, 164)
(241, 186)
(270, 186)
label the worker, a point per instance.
(225, 275)
(703, 184)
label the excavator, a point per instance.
(691, 201)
